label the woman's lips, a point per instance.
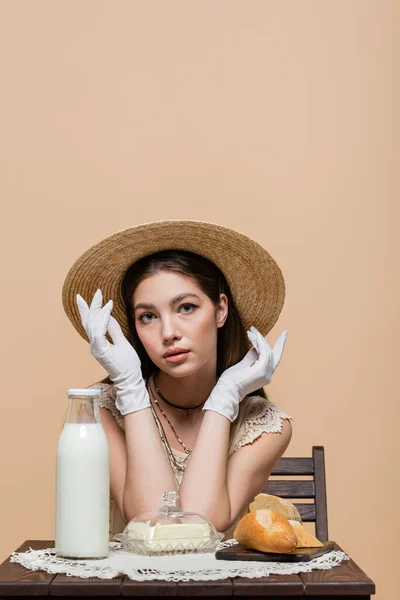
(177, 358)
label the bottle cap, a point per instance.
(91, 393)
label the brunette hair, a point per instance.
(232, 341)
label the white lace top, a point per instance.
(256, 416)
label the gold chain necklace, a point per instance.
(186, 450)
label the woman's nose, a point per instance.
(170, 331)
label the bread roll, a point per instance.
(284, 507)
(304, 538)
(265, 530)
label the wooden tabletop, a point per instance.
(345, 581)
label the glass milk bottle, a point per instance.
(83, 480)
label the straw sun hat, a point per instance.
(255, 280)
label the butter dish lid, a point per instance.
(170, 530)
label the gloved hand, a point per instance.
(119, 359)
(253, 372)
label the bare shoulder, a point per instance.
(287, 430)
(267, 447)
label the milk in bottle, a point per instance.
(83, 480)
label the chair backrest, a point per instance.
(314, 488)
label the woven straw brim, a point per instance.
(255, 280)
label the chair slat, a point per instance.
(290, 489)
(294, 466)
(321, 521)
(307, 511)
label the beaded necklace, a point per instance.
(188, 451)
(179, 466)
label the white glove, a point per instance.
(253, 372)
(118, 359)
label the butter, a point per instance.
(186, 535)
(190, 531)
(137, 531)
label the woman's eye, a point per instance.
(190, 306)
(142, 317)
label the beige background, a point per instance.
(276, 118)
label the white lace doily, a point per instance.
(198, 567)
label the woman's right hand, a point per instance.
(119, 359)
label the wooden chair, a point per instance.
(314, 489)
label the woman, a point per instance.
(183, 407)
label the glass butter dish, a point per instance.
(170, 530)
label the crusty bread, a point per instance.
(304, 538)
(265, 530)
(284, 507)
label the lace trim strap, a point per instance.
(258, 416)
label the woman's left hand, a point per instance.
(256, 369)
(253, 372)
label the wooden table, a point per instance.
(345, 581)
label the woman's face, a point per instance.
(171, 312)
